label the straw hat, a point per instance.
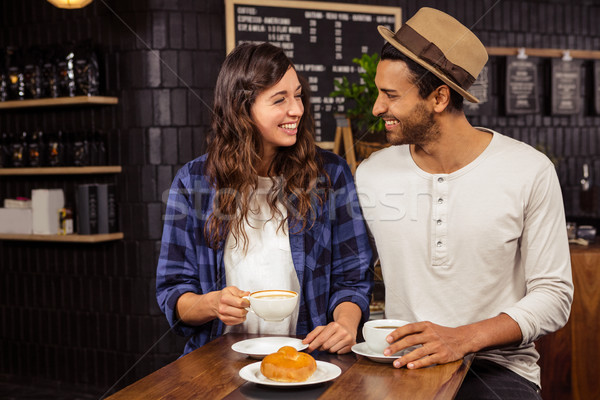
(442, 45)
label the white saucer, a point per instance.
(364, 350)
(260, 347)
(325, 372)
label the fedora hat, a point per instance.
(442, 45)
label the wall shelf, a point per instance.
(103, 169)
(549, 53)
(104, 237)
(59, 101)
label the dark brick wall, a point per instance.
(85, 314)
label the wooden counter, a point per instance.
(569, 357)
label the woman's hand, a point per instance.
(338, 336)
(230, 305)
(333, 337)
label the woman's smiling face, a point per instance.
(277, 111)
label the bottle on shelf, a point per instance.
(55, 150)
(19, 152)
(4, 150)
(49, 74)
(36, 149)
(102, 154)
(16, 78)
(32, 74)
(80, 150)
(66, 74)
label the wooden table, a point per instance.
(212, 372)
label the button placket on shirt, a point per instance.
(439, 225)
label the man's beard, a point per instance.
(419, 128)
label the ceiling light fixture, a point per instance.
(70, 3)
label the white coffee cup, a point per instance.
(273, 305)
(375, 332)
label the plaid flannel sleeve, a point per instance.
(352, 273)
(177, 272)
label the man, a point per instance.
(469, 224)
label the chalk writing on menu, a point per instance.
(320, 38)
(566, 86)
(521, 86)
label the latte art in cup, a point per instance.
(273, 305)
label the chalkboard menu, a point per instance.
(320, 38)
(521, 86)
(481, 90)
(566, 87)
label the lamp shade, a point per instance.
(70, 3)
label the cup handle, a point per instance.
(249, 309)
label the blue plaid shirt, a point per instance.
(332, 257)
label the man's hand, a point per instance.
(439, 344)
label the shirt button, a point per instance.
(439, 244)
(440, 200)
(439, 221)
(440, 179)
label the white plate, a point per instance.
(260, 347)
(364, 350)
(325, 372)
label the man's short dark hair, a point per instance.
(425, 81)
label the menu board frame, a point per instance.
(301, 4)
(333, 64)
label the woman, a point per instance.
(264, 209)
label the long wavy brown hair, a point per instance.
(235, 147)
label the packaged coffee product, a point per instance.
(66, 73)
(36, 149)
(49, 73)
(3, 77)
(32, 73)
(87, 76)
(4, 150)
(15, 76)
(55, 149)
(80, 149)
(19, 151)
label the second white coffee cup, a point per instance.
(273, 305)
(375, 332)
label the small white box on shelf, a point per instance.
(16, 220)
(45, 204)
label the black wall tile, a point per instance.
(154, 146)
(169, 146)
(179, 107)
(169, 68)
(162, 107)
(159, 30)
(175, 30)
